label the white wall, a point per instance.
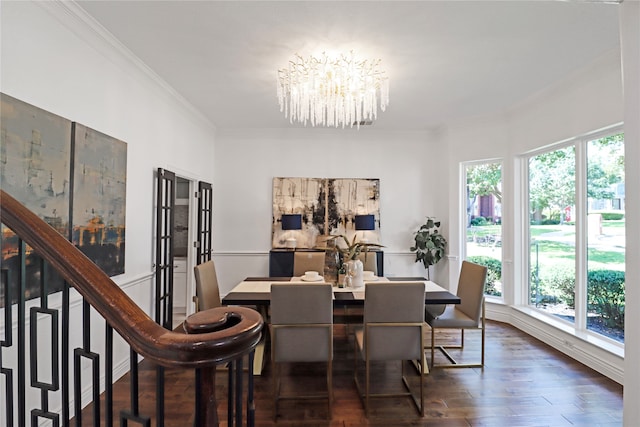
(53, 59)
(630, 41)
(410, 167)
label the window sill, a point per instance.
(608, 345)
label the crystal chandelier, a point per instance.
(332, 92)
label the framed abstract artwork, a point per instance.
(99, 197)
(326, 206)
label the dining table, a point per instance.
(256, 291)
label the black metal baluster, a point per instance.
(108, 377)
(66, 403)
(86, 352)
(34, 340)
(133, 414)
(251, 405)
(7, 342)
(230, 394)
(22, 372)
(239, 382)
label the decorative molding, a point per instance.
(239, 253)
(75, 299)
(87, 28)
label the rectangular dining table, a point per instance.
(256, 291)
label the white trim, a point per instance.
(599, 354)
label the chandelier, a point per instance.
(332, 92)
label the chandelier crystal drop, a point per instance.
(332, 92)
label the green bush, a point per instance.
(494, 272)
(479, 221)
(605, 296)
(556, 284)
(550, 222)
(612, 216)
(605, 292)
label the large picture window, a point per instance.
(576, 234)
(484, 221)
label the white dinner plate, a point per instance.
(317, 279)
(371, 279)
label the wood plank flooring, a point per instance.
(524, 383)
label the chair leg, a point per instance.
(276, 386)
(483, 331)
(367, 383)
(330, 386)
(433, 346)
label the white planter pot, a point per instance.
(355, 269)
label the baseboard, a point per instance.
(599, 355)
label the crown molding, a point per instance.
(88, 29)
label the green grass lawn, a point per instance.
(551, 250)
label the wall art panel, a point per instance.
(328, 206)
(99, 196)
(39, 152)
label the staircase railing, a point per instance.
(224, 334)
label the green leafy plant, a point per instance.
(429, 245)
(353, 248)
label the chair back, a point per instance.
(369, 261)
(207, 290)
(308, 261)
(302, 322)
(393, 319)
(471, 289)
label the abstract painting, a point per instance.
(99, 196)
(72, 177)
(328, 206)
(35, 164)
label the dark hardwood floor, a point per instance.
(524, 383)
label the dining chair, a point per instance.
(369, 261)
(207, 290)
(469, 314)
(308, 261)
(301, 331)
(392, 330)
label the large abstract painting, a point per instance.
(39, 152)
(328, 206)
(99, 190)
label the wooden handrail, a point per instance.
(167, 348)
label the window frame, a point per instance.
(463, 218)
(579, 143)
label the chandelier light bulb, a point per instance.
(332, 92)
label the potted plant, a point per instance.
(429, 244)
(349, 260)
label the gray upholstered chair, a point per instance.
(301, 331)
(469, 314)
(308, 261)
(369, 261)
(207, 290)
(392, 330)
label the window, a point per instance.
(576, 234)
(605, 236)
(552, 232)
(484, 221)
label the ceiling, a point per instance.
(447, 61)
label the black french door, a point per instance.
(205, 221)
(165, 219)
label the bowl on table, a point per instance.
(311, 276)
